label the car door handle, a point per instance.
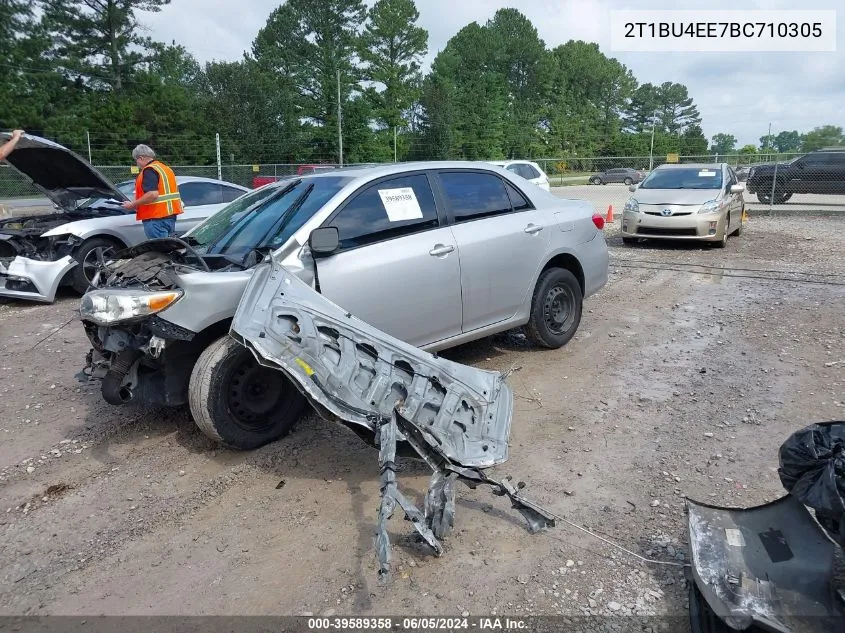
(441, 249)
(533, 228)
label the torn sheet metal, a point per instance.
(763, 568)
(358, 373)
(456, 417)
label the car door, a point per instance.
(397, 267)
(734, 199)
(502, 239)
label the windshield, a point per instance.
(684, 178)
(127, 188)
(264, 218)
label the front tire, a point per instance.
(555, 309)
(87, 257)
(596, 180)
(237, 402)
(724, 241)
(629, 182)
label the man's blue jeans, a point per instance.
(160, 227)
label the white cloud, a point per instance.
(736, 93)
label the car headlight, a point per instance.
(109, 306)
(711, 206)
(632, 205)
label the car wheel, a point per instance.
(764, 195)
(629, 182)
(237, 402)
(596, 180)
(555, 308)
(629, 241)
(87, 256)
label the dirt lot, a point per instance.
(678, 383)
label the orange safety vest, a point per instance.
(168, 203)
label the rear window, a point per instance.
(684, 178)
(474, 195)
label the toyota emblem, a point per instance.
(666, 212)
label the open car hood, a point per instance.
(63, 176)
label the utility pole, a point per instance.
(339, 124)
(651, 151)
(394, 143)
(88, 136)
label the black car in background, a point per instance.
(821, 171)
(621, 174)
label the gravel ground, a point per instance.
(682, 381)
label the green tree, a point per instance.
(748, 149)
(692, 141)
(588, 94)
(723, 143)
(677, 111)
(99, 40)
(391, 48)
(824, 136)
(640, 112)
(788, 141)
(310, 42)
(519, 57)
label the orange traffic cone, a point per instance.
(609, 218)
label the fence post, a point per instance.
(772, 199)
(219, 165)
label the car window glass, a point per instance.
(230, 193)
(386, 210)
(474, 195)
(514, 168)
(530, 172)
(517, 199)
(684, 178)
(199, 193)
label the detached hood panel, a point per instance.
(63, 176)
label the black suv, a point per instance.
(820, 171)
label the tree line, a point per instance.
(74, 70)
(783, 142)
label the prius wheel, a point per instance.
(555, 308)
(89, 257)
(239, 403)
(724, 241)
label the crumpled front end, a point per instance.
(35, 280)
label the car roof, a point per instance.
(691, 166)
(180, 180)
(389, 169)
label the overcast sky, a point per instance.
(736, 93)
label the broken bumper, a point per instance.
(768, 568)
(25, 278)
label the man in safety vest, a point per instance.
(157, 201)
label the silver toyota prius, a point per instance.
(701, 202)
(434, 254)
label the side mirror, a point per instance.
(324, 241)
(737, 188)
(632, 187)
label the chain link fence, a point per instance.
(807, 181)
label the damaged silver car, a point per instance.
(432, 254)
(40, 253)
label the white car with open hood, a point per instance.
(39, 253)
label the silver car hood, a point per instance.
(63, 176)
(675, 196)
(358, 374)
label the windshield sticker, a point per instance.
(400, 204)
(706, 173)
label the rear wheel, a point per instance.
(629, 181)
(89, 257)
(239, 403)
(596, 180)
(764, 194)
(555, 308)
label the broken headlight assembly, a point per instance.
(107, 307)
